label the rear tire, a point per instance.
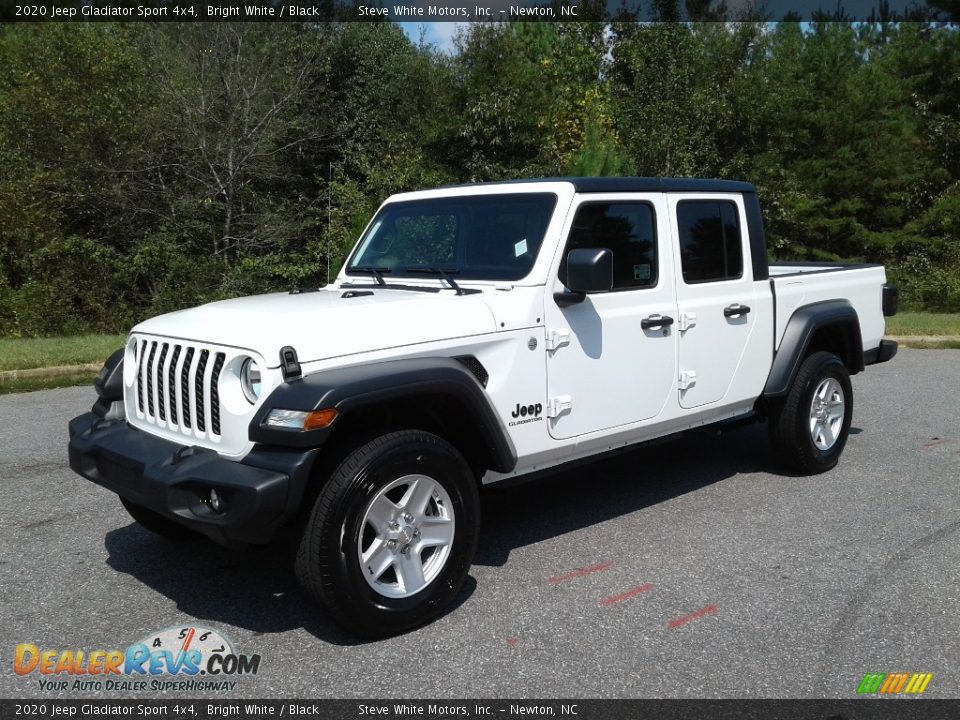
(158, 524)
(392, 534)
(809, 428)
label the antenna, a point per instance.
(329, 212)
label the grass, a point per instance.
(18, 386)
(919, 323)
(931, 343)
(27, 353)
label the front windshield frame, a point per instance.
(492, 237)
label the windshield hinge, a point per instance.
(289, 364)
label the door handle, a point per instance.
(656, 321)
(736, 310)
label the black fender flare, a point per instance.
(109, 383)
(350, 388)
(801, 327)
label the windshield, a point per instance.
(480, 237)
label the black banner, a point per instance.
(863, 709)
(427, 11)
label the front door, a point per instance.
(610, 361)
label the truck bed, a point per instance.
(801, 283)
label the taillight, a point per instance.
(891, 299)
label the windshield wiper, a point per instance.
(445, 273)
(377, 272)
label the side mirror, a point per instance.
(590, 270)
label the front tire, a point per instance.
(392, 534)
(809, 429)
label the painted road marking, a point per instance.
(690, 617)
(614, 599)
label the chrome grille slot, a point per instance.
(201, 397)
(185, 389)
(215, 393)
(172, 385)
(150, 374)
(161, 368)
(140, 373)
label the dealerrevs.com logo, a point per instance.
(188, 659)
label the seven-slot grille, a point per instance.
(178, 386)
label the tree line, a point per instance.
(146, 168)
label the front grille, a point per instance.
(178, 387)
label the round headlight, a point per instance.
(250, 379)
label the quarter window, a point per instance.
(710, 247)
(628, 230)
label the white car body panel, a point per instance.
(623, 383)
(861, 286)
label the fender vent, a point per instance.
(475, 367)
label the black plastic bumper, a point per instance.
(258, 494)
(880, 354)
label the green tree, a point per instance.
(69, 100)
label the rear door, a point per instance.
(715, 294)
(604, 369)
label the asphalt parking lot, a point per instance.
(689, 569)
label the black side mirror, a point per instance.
(590, 270)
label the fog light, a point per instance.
(215, 502)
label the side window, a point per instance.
(710, 247)
(628, 230)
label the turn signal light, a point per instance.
(319, 419)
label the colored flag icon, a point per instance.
(894, 683)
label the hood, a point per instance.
(322, 325)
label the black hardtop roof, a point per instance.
(635, 184)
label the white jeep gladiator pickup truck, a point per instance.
(475, 333)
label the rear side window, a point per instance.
(628, 230)
(710, 247)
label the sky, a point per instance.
(437, 33)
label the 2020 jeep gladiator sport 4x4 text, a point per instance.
(475, 333)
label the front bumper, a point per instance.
(259, 493)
